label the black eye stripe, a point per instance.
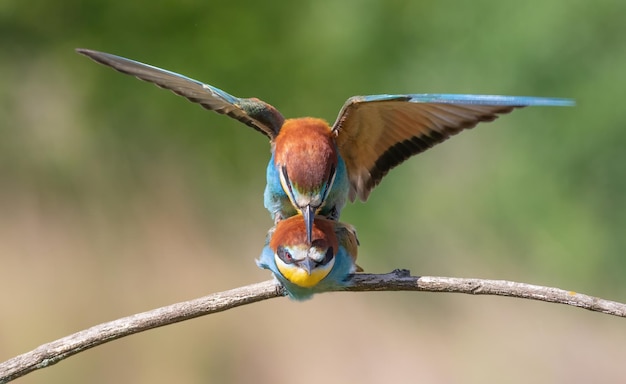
(283, 170)
(328, 257)
(331, 180)
(284, 255)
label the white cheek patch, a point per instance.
(316, 254)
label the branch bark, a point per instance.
(398, 280)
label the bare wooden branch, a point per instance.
(51, 353)
(399, 280)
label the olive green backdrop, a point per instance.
(117, 197)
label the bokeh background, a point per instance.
(117, 197)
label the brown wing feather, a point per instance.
(373, 137)
(252, 112)
(347, 237)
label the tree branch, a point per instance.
(399, 280)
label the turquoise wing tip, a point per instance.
(442, 98)
(547, 101)
(517, 101)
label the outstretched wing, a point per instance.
(375, 133)
(252, 112)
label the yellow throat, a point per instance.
(300, 276)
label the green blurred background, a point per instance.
(117, 197)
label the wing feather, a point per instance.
(375, 133)
(252, 112)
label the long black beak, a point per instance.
(308, 264)
(309, 215)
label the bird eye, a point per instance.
(284, 255)
(328, 257)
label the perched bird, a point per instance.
(315, 167)
(305, 268)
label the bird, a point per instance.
(305, 268)
(315, 167)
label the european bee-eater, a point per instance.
(307, 267)
(315, 167)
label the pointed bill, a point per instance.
(309, 216)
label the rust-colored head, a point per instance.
(305, 146)
(301, 261)
(292, 231)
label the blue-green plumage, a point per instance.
(338, 278)
(305, 269)
(315, 167)
(371, 135)
(279, 204)
(274, 198)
